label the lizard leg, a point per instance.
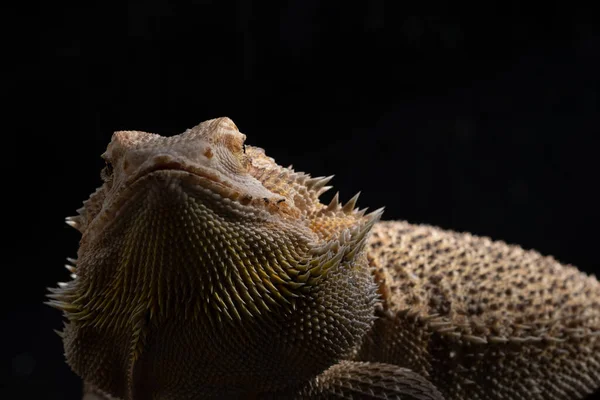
(368, 380)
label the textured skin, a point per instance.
(207, 270)
(481, 319)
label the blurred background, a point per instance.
(481, 117)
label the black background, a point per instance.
(481, 118)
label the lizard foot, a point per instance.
(368, 380)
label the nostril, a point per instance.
(208, 153)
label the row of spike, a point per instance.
(77, 221)
(56, 294)
(352, 236)
(348, 208)
(345, 247)
(317, 184)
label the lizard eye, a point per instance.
(107, 171)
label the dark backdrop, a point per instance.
(478, 118)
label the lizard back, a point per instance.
(480, 318)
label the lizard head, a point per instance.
(205, 246)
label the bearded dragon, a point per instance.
(207, 270)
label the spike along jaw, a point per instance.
(201, 252)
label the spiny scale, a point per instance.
(351, 204)
(73, 222)
(318, 183)
(335, 202)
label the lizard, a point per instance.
(206, 270)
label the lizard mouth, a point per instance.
(174, 167)
(192, 178)
(196, 180)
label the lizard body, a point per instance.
(207, 270)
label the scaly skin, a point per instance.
(207, 270)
